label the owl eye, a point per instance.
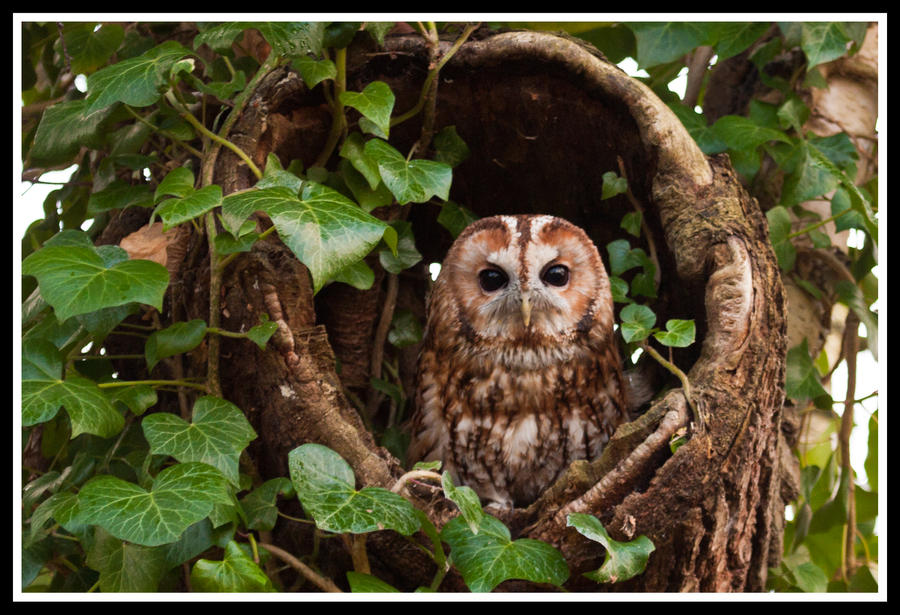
(557, 275)
(492, 279)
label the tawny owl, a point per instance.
(519, 373)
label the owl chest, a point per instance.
(511, 433)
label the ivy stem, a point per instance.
(813, 227)
(851, 328)
(651, 245)
(685, 383)
(338, 121)
(224, 262)
(412, 475)
(323, 583)
(432, 75)
(206, 132)
(215, 290)
(128, 383)
(194, 151)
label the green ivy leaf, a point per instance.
(449, 147)
(636, 322)
(631, 222)
(325, 486)
(779, 230)
(323, 228)
(696, 125)
(314, 71)
(466, 499)
(180, 496)
(353, 150)
(178, 182)
(216, 435)
(375, 102)
(801, 378)
(415, 181)
(120, 194)
(621, 257)
(237, 572)
(813, 177)
(286, 38)
(405, 330)
(366, 583)
(125, 567)
(260, 334)
(76, 278)
(179, 337)
(88, 46)
(136, 398)
(742, 133)
(175, 211)
(65, 128)
(735, 37)
(406, 254)
(624, 560)
(850, 295)
(619, 289)
(135, 81)
(455, 218)
(613, 185)
(358, 275)
(793, 113)
(490, 557)
(259, 505)
(661, 42)
(823, 41)
(44, 392)
(678, 333)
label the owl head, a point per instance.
(526, 279)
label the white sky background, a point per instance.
(28, 207)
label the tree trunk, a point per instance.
(544, 117)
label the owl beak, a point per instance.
(526, 310)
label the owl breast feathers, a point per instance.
(519, 374)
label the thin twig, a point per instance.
(323, 583)
(413, 475)
(851, 327)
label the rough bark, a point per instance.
(544, 117)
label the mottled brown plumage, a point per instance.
(519, 374)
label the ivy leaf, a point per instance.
(490, 557)
(136, 398)
(406, 254)
(466, 499)
(358, 275)
(237, 572)
(624, 560)
(178, 182)
(119, 194)
(415, 181)
(353, 150)
(179, 337)
(259, 505)
(375, 102)
(125, 567)
(366, 583)
(701, 132)
(64, 128)
(180, 496)
(175, 211)
(823, 41)
(661, 42)
(742, 133)
(735, 37)
(406, 329)
(813, 177)
(89, 46)
(314, 71)
(801, 378)
(631, 222)
(636, 322)
(216, 435)
(260, 334)
(44, 392)
(850, 295)
(678, 333)
(613, 185)
(779, 231)
(135, 81)
(77, 278)
(286, 38)
(324, 229)
(455, 218)
(325, 486)
(449, 147)
(619, 289)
